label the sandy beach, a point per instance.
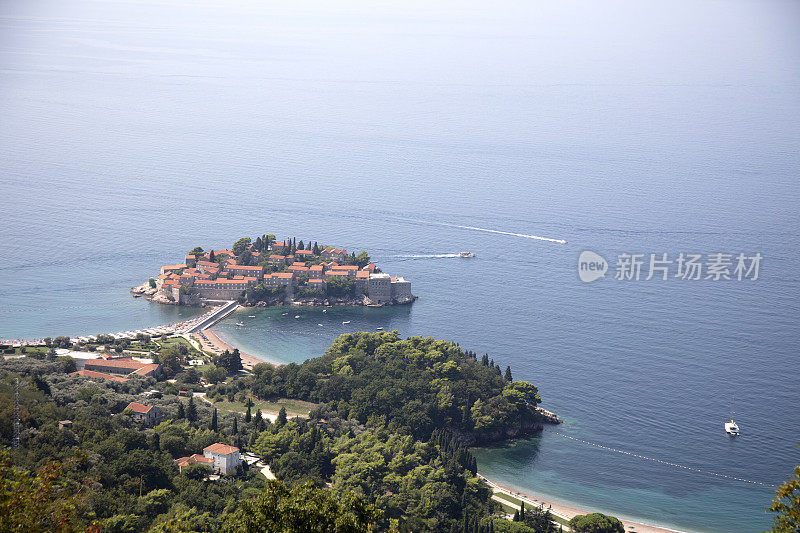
(216, 345)
(567, 511)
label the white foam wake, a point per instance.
(428, 256)
(526, 236)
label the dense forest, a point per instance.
(384, 450)
(412, 386)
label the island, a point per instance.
(268, 272)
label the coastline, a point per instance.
(567, 511)
(563, 510)
(214, 344)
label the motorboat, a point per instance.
(346, 322)
(731, 428)
(466, 254)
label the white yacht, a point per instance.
(730, 427)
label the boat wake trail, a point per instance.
(428, 256)
(488, 230)
(676, 465)
(523, 235)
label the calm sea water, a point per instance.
(132, 131)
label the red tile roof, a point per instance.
(93, 374)
(196, 458)
(146, 369)
(220, 448)
(316, 281)
(316, 268)
(137, 407)
(304, 252)
(294, 268)
(173, 267)
(122, 363)
(298, 264)
(284, 275)
(362, 274)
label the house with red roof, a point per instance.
(225, 458)
(194, 459)
(149, 414)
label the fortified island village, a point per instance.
(266, 272)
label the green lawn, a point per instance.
(518, 502)
(165, 342)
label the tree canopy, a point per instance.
(596, 523)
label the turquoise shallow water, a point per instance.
(132, 132)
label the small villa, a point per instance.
(149, 414)
(224, 458)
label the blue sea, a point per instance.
(131, 132)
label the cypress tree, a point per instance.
(235, 425)
(214, 420)
(485, 359)
(308, 246)
(281, 420)
(248, 415)
(522, 511)
(191, 410)
(301, 246)
(181, 412)
(508, 374)
(211, 257)
(516, 516)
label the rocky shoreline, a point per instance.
(525, 428)
(152, 294)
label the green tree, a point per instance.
(248, 416)
(214, 420)
(596, 523)
(47, 500)
(302, 509)
(240, 245)
(281, 420)
(191, 410)
(508, 374)
(362, 259)
(197, 250)
(152, 283)
(787, 504)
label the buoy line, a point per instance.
(663, 462)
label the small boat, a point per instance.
(465, 255)
(284, 314)
(346, 322)
(379, 327)
(319, 325)
(297, 316)
(240, 323)
(251, 316)
(731, 428)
